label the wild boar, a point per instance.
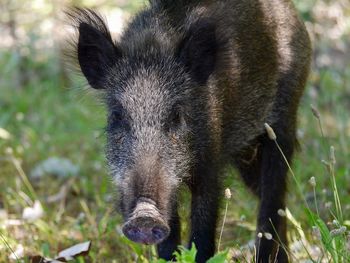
(188, 88)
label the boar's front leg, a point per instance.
(205, 189)
(169, 245)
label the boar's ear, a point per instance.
(95, 49)
(198, 50)
(96, 54)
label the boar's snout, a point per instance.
(146, 230)
(146, 225)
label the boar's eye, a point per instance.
(116, 119)
(174, 121)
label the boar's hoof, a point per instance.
(145, 230)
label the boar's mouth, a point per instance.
(146, 225)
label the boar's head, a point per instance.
(156, 107)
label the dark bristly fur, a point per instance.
(188, 89)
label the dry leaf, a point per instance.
(74, 251)
(65, 255)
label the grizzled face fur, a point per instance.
(152, 91)
(148, 145)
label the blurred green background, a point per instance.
(52, 138)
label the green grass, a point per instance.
(46, 119)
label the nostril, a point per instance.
(133, 232)
(158, 233)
